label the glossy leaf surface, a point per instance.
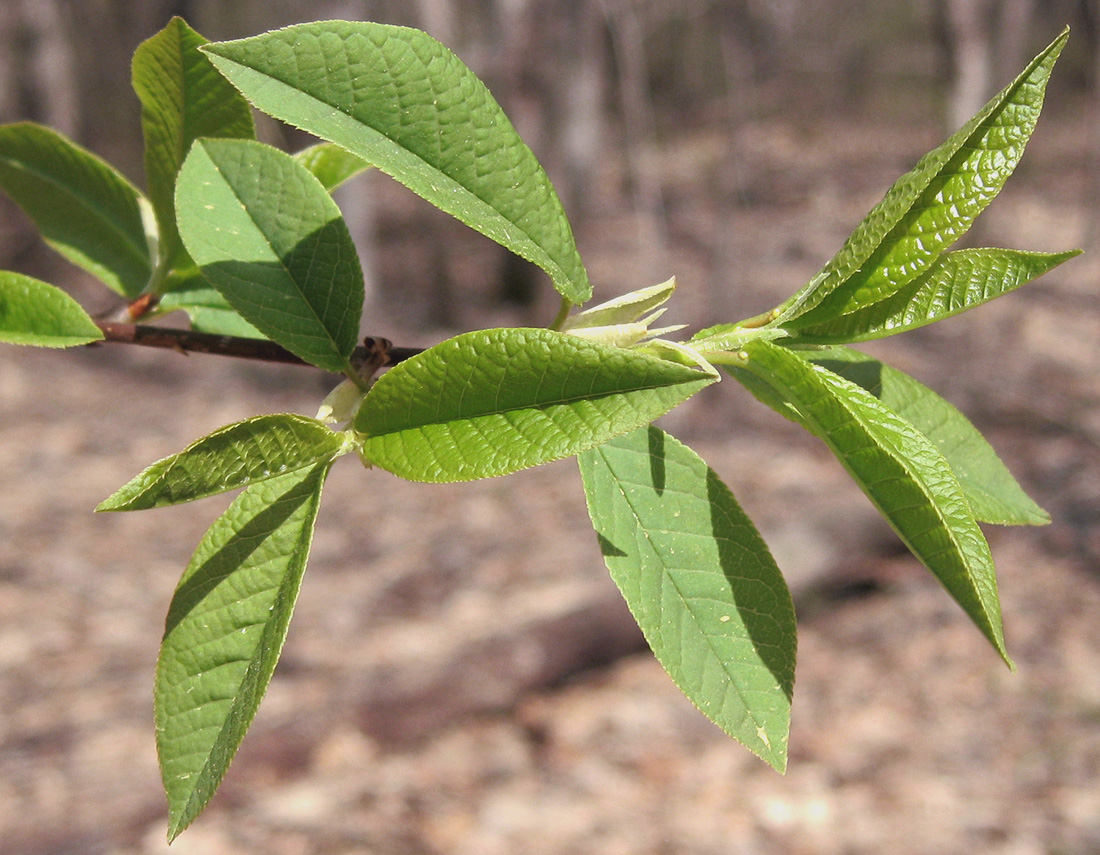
(901, 472)
(183, 97)
(234, 456)
(928, 208)
(266, 234)
(37, 313)
(955, 282)
(700, 582)
(492, 402)
(402, 101)
(84, 207)
(224, 633)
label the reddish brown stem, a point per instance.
(190, 341)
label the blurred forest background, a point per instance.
(461, 676)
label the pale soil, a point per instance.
(460, 677)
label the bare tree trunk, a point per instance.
(739, 72)
(639, 125)
(1014, 27)
(580, 91)
(38, 64)
(969, 24)
(9, 63)
(1092, 229)
(988, 42)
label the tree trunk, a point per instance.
(969, 32)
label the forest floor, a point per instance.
(460, 676)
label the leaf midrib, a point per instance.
(282, 264)
(536, 407)
(957, 551)
(668, 579)
(500, 214)
(857, 262)
(138, 252)
(204, 777)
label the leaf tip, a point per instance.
(1035, 515)
(120, 500)
(998, 640)
(179, 818)
(774, 754)
(117, 502)
(179, 821)
(777, 758)
(1055, 47)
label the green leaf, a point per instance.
(234, 456)
(928, 208)
(209, 311)
(331, 164)
(221, 321)
(491, 402)
(994, 495)
(37, 313)
(183, 97)
(700, 582)
(224, 633)
(266, 234)
(402, 101)
(627, 309)
(901, 472)
(955, 282)
(732, 337)
(84, 207)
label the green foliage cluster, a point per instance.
(247, 240)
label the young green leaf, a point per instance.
(37, 313)
(208, 310)
(994, 495)
(928, 208)
(84, 207)
(492, 402)
(715, 340)
(266, 234)
(901, 472)
(182, 98)
(402, 101)
(955, 282)
(331, 164)
(700, 582)
(224, 633)
(234, 456)
(627, 309)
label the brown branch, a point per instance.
(375, 350)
